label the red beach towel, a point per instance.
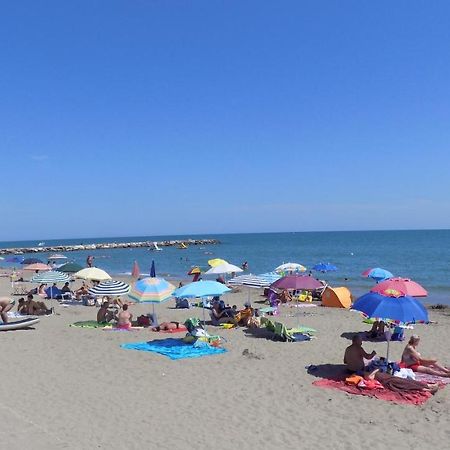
(180, 329)
(409, 398)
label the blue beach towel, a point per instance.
(174, 348)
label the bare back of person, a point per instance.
(124, 319)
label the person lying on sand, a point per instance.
(167, 326)
(354, 356)
(6, 305)
(398, 384)
(412, 359)
(103, 314)
(377, 330)
(124, 318)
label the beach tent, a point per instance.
(339, 297)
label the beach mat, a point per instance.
(407, 398)
(174, 348)
(426, 378)
(89, 324)
(180, 329)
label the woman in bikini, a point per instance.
(412, 359)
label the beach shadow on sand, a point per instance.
(259, 333)
(327, 371)
(364, 336)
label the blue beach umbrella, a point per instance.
(324, 267)
(153, 270)
(14, 259)
(31, 261)
(377, 273)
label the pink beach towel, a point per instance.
(425, 378)
(409, 398)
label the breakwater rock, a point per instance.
(107, 246)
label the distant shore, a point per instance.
(107, 245)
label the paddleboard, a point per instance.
(18, 324)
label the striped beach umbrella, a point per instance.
(290, 268)
(110, 287)
(256, 281)
(50, 277)
(151, 290)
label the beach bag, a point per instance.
(143, 321)
(182, 303)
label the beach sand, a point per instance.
(73, 388)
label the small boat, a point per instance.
(155, 247)
(182, 246)
(41, 244)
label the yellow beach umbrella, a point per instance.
(92, 273)
(216, 262)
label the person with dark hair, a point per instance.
(103, 314)
(32, 308)
(124, 318)
(354, 356)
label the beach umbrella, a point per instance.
(324, 267)
(135, 272)
(37, 266)
(290, 267)
(14, 259)
(400, 309)
(377, 273)
(29, 261)
(196, 271)
(151, 290)
(56, 256)
(255, 281)
(201, 289)
(297, 282)
(110, 287)
(403, 285)
(92, 273)
(153, 270)
(52, 276)
(223, 268)
(216, 262)
(70, 267)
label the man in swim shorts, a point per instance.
(124, 318)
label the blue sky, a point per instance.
(182, 117)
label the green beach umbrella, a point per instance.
(70, 267)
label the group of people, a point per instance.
(115, 311)
(221, 313)
(411, 359)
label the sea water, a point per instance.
(422, 255)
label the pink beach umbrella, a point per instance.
(135, 272)
(297, 282)
(403, 285)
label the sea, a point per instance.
(422, 255)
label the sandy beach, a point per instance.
(73, 388)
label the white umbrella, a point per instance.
(92, 273)
(223, 268)
(290, 267)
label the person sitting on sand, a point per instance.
(412, 359)
(354, 356)
(66, 289)
(83, 290)
(285, 296)
(219, 315)
(6, 305)
(32, 308)
(124, 318)
(244, 315)
(103, 314)
(167, 326)
(377, 330)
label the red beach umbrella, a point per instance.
(135, 272)
(297, 282)
(403, 285)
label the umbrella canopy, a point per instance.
(92, 273)
(110, 287)
(151, 290)
(223, 268)
(201, 289)
(216, 262)
(153, 270)
(136, 271)
(37, 266)
(256, 281)
(50, 277)
(14, 259)
(297, 282)
(290, 267)
(377, 274)
(31, 261)
(402, 309)
(403, 285)
(56, 256)
(195, 271)
(324, 267)
(70, 267)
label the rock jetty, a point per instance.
(105, 246)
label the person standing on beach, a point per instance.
(90, 261)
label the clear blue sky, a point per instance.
(167, 117)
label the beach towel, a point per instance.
(115, 328)
(425, 378)
(408, 398)
(180, 329)
(89, 324)
(174, 348)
